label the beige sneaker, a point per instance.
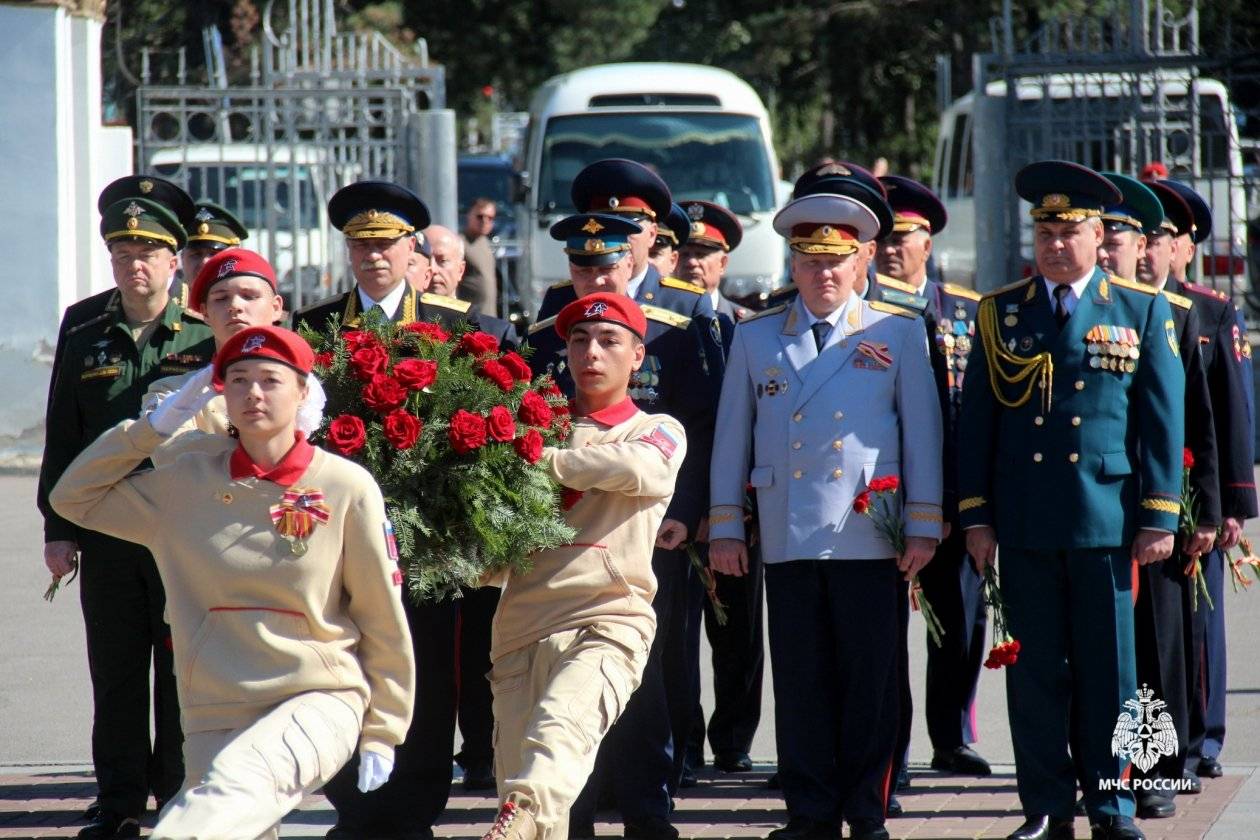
(514, 822)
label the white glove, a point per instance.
(374, 770)
(310, 414)
(177, 408)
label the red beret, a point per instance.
(232, 262)
(602, 306)
(274, 343)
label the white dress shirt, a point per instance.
(1069, 300)
(389, 304)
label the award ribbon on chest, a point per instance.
(300, 509)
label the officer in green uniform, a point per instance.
(1071, 442)
(108, 362)
(213, 229)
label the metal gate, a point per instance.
(1122, 88)
(323, 109)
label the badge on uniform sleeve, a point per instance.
(1238, 345)
(1170, 330)
(391, 544)
(662, 439)
(299, 511)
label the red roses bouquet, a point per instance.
(451, 427)
(881, 493)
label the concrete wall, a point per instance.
(57, 156)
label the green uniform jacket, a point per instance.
(1103, 457)
(99, 381)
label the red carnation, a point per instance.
(502, 426)
(883, 483)
(496, 373)
(1187, 459)
(429, 330)
(534, 410)
(478, 344)
(529, 446)
(358, 339)
(863, 502)
(569, 497)
(467, 432)
(416, 374)
(346, 434)
(401, 429)
(1002, 654)
(518, 367)
(384, 394)
(324, 360)
(368, 362)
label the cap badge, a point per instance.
(146, 186)
(592, 226)
(614, 202)
(594, 245)
(133, 210)
(825, 230)
(203, 228)
(371, 214)
(204, 215)
(595, 310)
(695, 211)
(254, 342)
(227, 268)
(834, 169)
(1055, 201)
(697, 228)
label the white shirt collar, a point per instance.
(713, 296)
(1078, 289)
(632, 288)
(922, 290)
(833, 318)
(389, 303)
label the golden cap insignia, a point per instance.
(834, 169)
(134, 210)
(133, 223)
(825, 230)
(592, 226)
(594, 244)
(1055, 201)
(371, 214)
(146, 186)
(697, 228)
(613, 201)
(203, 228)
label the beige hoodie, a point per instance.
(252, 623)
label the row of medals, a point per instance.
(954, 338)
(1118, 356)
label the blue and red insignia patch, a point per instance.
(661, 438)
(391, 544)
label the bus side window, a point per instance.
(966, 178)
(960, 140)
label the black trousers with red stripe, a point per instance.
(834, 641)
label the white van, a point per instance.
(280, 194)
(1094, 125)
(703, 130)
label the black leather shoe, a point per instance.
(867, 831)
(1152, 805)
(108, 824)
(734, 762)
(651, 828)
(1209, 768)
(91, 811)
(479, 775)
(962, 761)
(800, 828)
(1043, 828)
(1194, 785)
(688, 778)
(903, 780)
(1115, 828)
(894, 808)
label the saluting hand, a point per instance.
(919, 551)
(729, 557)
(1152, 546)
(671, 534)
(982, 546)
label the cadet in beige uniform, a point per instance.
(571, 636)
(283, 593)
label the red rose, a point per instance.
(477, 344)
(863, 502)
(518, 367)
(534, 410)
(401, 429)
(496, 373)
(1187, 459)
(358, 339)
(324, 360)
(368, 362)
(467, 432)
(529, 446)
(569, 497)
(429, 330)
(346, 434)
(416, 374)
(502, 426)
(384, 394)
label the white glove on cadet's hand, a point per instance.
(179, 407)
(374, 770)
(310, 414)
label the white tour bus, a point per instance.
(1204, 152)
(703, 130)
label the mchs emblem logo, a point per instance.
(1146, 733)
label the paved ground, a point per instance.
(45, 717)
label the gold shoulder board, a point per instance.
(774, 310)
(1018, 284)
(89, 322)
(962, 291)
(561, 285)
(1178, 300)
(665, 316)
(543, 324)
(1131, 286)
(893, 283)
(880, 306)
(675, 283)
(449, 302)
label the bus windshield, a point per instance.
(246, 189)
(710, 157)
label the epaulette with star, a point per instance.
(1178, 300)
(774, 310)
(908, 300)
(1009, 287)
(1207, 290)
(543, 324)
(445, 301)
(881, 306)
(683, 285)
(894, 283)
(563, 284)
(665, 316)
(1132, 286)
(960, 291)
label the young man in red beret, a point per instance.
(571, 637)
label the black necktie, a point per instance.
(1061, 313)
(820, 328)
